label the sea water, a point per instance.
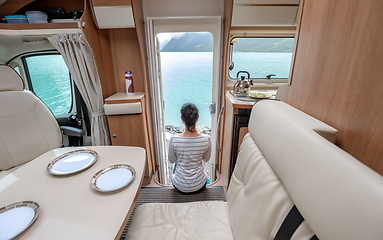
(186, 77)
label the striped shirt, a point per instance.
(188, 154)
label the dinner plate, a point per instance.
(113, 178)
(16, 218)
(72, 162)
(266, 95)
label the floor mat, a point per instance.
(171, 195)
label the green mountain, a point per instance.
(264, 45)
(190, 42)
(203, 42)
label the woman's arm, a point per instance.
(172, 155)
(206, 156)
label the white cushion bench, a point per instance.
(288, 158)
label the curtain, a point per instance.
(78, 56)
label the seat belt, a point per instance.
(290, 225)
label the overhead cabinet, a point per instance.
(113, 14)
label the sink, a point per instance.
(243, 97)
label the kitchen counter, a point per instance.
(236, 103)
(247, 102)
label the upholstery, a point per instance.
(10, 79)
(27, 127)
(256, 199)
(182, 221)
(338, 196)
(288, 158)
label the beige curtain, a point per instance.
(78, 56)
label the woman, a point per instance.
(188, 150)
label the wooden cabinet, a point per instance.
(131, 129)
(233, 108)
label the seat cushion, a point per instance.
(196, 220)
(27, 128)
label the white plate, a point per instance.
(266, 95)
(113, 178)
(17, 217)
(72, 162)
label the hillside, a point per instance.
(190, 42)
(203, 42)
(264, 45)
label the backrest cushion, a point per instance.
(337, 195)
(27, 127)
(10, 80)
(257, 200)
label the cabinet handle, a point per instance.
(114, 135)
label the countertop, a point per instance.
(123, 97)
(236, 103)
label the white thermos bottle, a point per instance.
(129, 82)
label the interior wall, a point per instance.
(338, 72)
(126, 57)
(116, 51)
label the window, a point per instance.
(49, 79)
(261, 56)
(17, 69)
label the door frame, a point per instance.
(155, 25)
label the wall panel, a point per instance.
(126, 57)
(338, 73)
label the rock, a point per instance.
(178, 130)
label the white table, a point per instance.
(69, 207)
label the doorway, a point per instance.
(183, 67)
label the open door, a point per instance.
(179, 75)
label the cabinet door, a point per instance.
(130, 130)
(127, 130)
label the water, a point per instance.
(260, 64)
(51, 83)
(186, 77)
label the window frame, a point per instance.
(29, 81)
(259, 80)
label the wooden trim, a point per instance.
(228, 11)
(138, 14)
(109, 3)
(297, 33)
(118, 235)
(38, 26)
(92, 11)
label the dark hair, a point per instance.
(189, 114)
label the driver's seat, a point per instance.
(27, 126)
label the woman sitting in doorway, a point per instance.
(188, 150)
